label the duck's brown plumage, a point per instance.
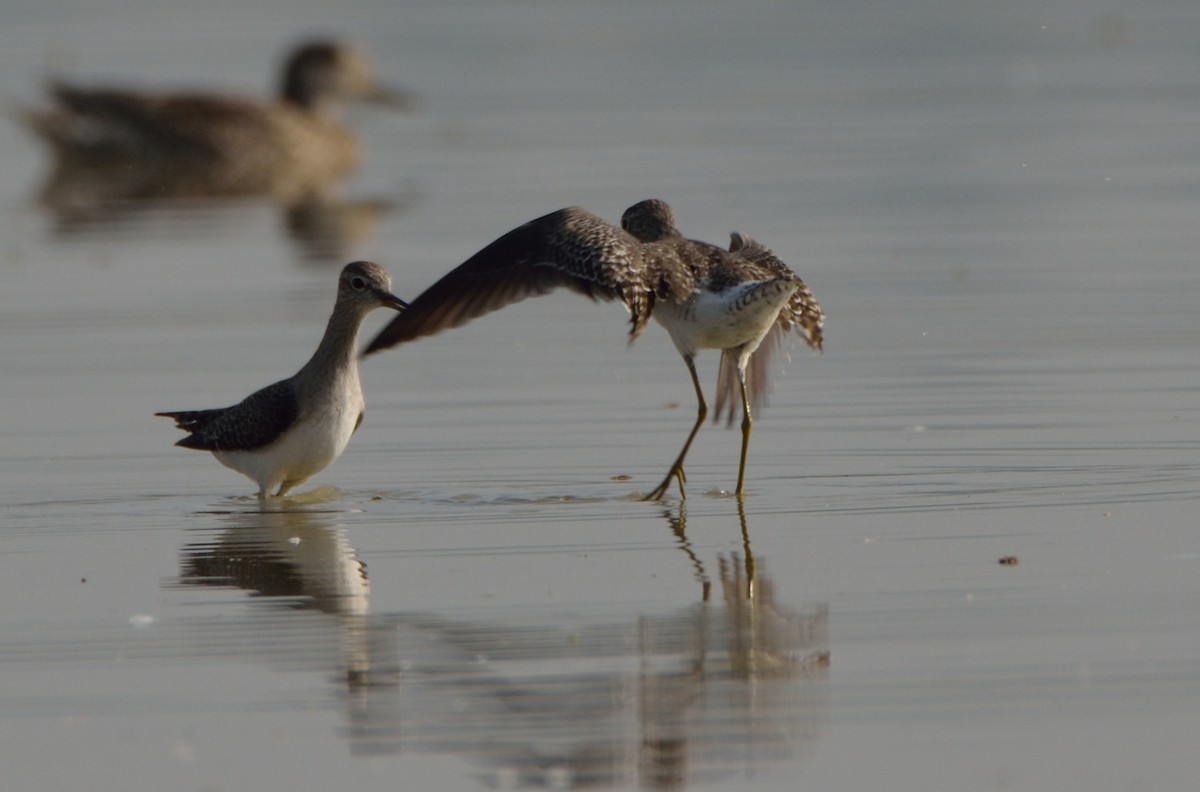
(194, 144)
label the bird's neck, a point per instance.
(338, 350)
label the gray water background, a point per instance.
(997, 205)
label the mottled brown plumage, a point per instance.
(743, 300)
(200, 145)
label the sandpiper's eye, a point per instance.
(357, 283)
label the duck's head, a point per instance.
(319, 74)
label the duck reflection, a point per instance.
(120, 153)
(323, 227)
(327, 228)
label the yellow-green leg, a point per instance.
(676, 471)
(746, 425)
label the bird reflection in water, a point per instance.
(714, 690)
(749, 693)
(696, 695)
(123, 155)
(327, 227)
(304, 556)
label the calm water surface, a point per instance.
(996, 206)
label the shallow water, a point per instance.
(996, 206)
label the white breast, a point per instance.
(307, 447)
(724, 320)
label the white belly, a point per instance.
(734, 318)
(308, 447)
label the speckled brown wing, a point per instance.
(803, 311)
(256, 422)
(570, 248)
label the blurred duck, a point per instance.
(196, 145)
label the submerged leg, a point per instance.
(676, 470)
(746, 424)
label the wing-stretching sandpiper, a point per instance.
(742, 301)
(287, 432)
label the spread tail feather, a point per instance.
(758, 377)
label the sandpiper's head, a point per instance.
(650, 221)
(320, 73)
(368, 286)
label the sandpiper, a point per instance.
(190, 145)
(742, 301)
(285, 433)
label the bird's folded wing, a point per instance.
(257, 422)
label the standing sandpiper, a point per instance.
(742, 300)
(287, 432)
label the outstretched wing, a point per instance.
(571, 248)
(256, 422)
